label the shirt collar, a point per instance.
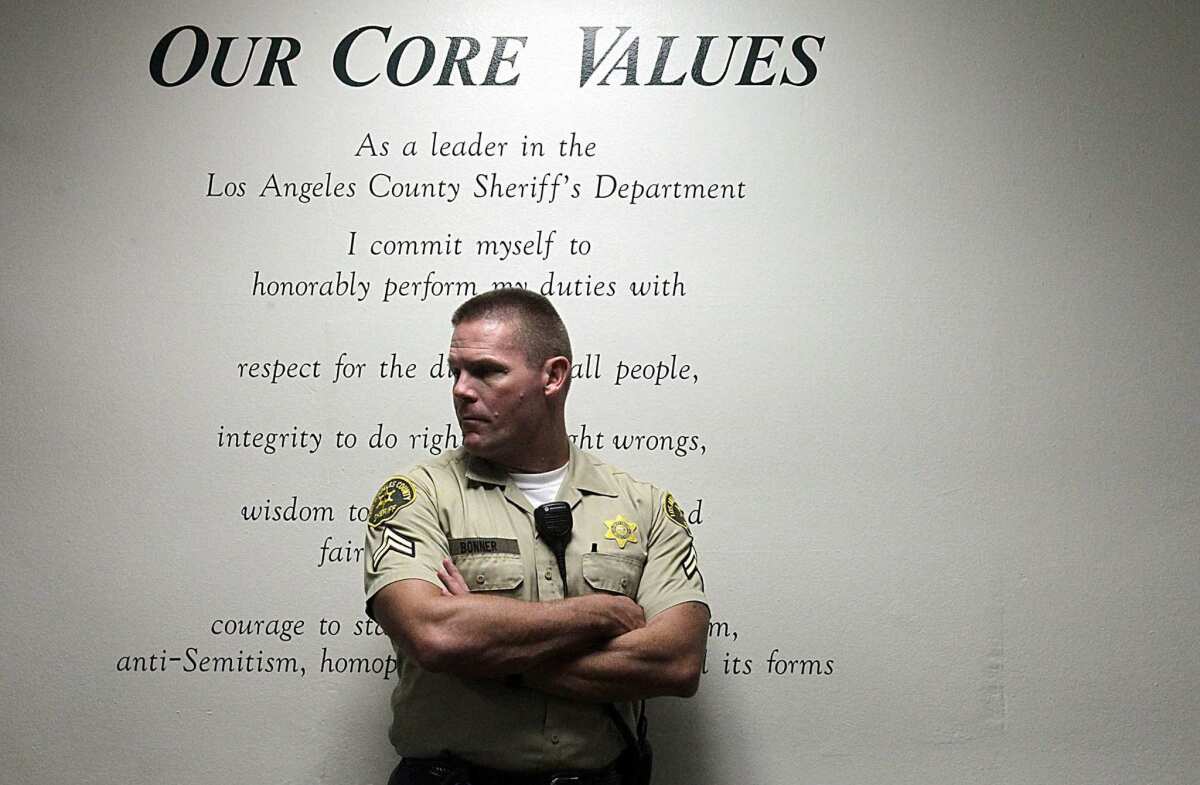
(582, 475)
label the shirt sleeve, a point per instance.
(672, 572)
(404, 538)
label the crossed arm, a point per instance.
(597, 647)
(663, 658)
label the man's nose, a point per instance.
(462, 387)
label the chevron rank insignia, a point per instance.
(688, 564)
(396, 494)
(392, 542)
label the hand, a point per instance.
(624, 614)
(453, 584)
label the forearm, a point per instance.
(492, 636)
(497, 636)
(663, 658)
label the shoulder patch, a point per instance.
(396, 494)
(675, 512)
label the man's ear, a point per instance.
(557, 375)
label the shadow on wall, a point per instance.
(696, 741)
(352, 739)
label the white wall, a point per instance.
(947, 383)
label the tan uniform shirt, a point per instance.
(628, 537)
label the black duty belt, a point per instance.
(448, 771)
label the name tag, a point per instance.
(471, 545)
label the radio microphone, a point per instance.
(553, 523)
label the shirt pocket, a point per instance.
(612, 573)
(491, 572)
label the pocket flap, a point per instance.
(612, 573)
(492, 572)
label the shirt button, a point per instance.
(554, 739)
(549, 575)
(480, 578)
(623, 582)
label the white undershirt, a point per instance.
(542, 487)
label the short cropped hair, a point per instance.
(539, 328)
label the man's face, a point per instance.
(498, 398)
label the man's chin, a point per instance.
(475, 445)
(486, 450)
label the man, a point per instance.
(508, 675)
